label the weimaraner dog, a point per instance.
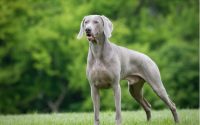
(108, 63)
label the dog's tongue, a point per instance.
(90, 38)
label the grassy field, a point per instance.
(163, 117)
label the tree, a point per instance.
(42, 65)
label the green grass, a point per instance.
(162, 117)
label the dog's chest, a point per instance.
(100, 74)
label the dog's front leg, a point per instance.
(117, 95)
(96, 103)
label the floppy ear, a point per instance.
(80, 34)
(108, 26)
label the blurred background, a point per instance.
(42, 64)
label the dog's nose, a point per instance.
(87, 30)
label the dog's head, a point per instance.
(94, 26)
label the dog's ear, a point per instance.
(108, 26)
(80, 34)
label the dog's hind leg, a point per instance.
(151, 75)
(161, 92)
(135, 90)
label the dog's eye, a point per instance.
(86, 22)
(95, 22)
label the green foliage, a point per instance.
(42, 65)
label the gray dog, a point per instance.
(108, 63)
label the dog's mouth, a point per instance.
(90, 37)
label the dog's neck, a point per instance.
(98, 47)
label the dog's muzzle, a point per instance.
(89, 35)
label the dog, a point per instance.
(108, 63)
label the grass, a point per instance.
(162, 117)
